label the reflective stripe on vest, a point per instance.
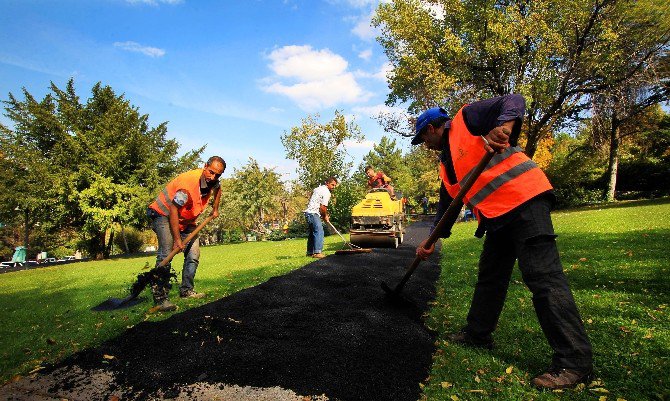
(161, 201)
(499, 188)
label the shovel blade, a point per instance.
(395, 297)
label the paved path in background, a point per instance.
(326, 330)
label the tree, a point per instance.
(252, 197)
(555, 53)
(386, 157)
(619, 109)
(423, 168)
(67, 160)
(318, 148)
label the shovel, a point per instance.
(144, 279)
(352, 248)
(447, 221)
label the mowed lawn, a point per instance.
(617, 261)
(616, 258)
(45, 313)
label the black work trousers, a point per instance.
(529, 238)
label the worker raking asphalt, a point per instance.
(325, 329)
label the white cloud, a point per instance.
(349, 144)
(364, 29)
(374, 111)
(365, 54)
(380, 75)
(304, 63)
(312, 78)
(384, 72)
(138, 48)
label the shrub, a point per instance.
(297, 228)
(133, 239)
(276, 235)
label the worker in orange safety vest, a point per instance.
(173, 215)
(512, 200)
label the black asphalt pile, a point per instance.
(327, 328)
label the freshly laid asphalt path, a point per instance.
(325, 330)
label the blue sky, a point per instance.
(234, 74)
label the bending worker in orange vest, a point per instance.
(512, 200)
(173, 216)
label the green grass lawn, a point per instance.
(616, 259)
(45, 313)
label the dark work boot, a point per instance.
(558, 378)
(463, 338)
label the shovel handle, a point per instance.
(451, 214)
(186, 240)
(449, 217)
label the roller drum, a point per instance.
(374, 241)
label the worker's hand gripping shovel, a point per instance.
(352, 248)
(446, 222)
(144, 279)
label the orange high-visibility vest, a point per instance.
(510, 179)
(190, 183)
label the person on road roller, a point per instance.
(377, 179)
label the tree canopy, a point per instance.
(85, 165)
(555, 53)
(319, 148)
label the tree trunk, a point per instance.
(125, 242)
(531, 143)
(613, 164)
(96, 246)
(108, 248)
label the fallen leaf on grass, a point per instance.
(455, 397)
(583, 259)
(600, 390)
(624, 329)
(446, 384)
(37, 369)
(475, 391)
(477, 379)
(602, 398)
(108, 356)
(509, 369)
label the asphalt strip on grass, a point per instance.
(326, 330)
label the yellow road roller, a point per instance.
(377, 221)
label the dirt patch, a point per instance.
(326, 329)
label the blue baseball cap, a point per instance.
(423, 120)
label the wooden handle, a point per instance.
(186, 240)
(449, 217)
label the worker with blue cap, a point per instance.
(512, 200)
